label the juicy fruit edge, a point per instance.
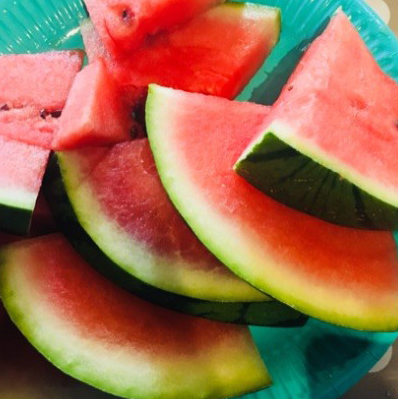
(289, 176)
(381, 194)
(256, 313)
(82, 355)
(226, 233)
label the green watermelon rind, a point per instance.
(256, 313)
(82, 358)
(15, 220)
(180, 187)
(305, 177)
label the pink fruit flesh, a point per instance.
(96, 112)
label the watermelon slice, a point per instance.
(124, 25)
(33, 92)
(22, 168)
(216, 53)
(336, 159)
(115, 341)
(341, 275)
(113, 208)
(96, 112)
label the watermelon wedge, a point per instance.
(115, 341)
(336, 159)
(96, 112)
(33, 92)
(124, 25)
(25, 374)
(113, 208)
(344, 276)
(216, 53)
(22, 168)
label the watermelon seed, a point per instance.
(4, 107)
(396, 123)
(290, 88)
(127, 15)
(56, 114)
(43, 113)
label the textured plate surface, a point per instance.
(317, 361)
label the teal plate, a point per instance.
(317, 361)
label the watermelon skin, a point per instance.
(343, 169)
(115, 341)
(124, 26)
(326, 271)
(34, 89)
(216, 53)
(22, 168)
(243, 306)
(95, 113)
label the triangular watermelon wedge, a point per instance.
(101, 335)
(329, 147)
(340, 275)
(216, 53)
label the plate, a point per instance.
(317, 361)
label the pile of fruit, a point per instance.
(174, 217)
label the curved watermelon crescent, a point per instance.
(126, 261)
(107, 338)
(344, 276)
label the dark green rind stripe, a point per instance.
(303, 184)
(15, 220)
(270, 313)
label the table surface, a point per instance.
(382, 381)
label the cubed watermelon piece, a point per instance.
(124, 25)
(96, 112)
(33, 92)
(216, 53)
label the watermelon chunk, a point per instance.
(115, 341)
(113, 208)
(96, 112)
(124, 25)
(344, 276)
(22, 168)
(216, 53)
(336, 158)
(33, 92)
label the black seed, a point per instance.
(56, 114)
(4, 107)
(290, 88)
(127, 15)
(396, 123)
(43, 113)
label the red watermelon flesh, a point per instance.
(341, 275)
(116, 341)
(124, 25)
(216, 53)
(96, 112)
(33, 91)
